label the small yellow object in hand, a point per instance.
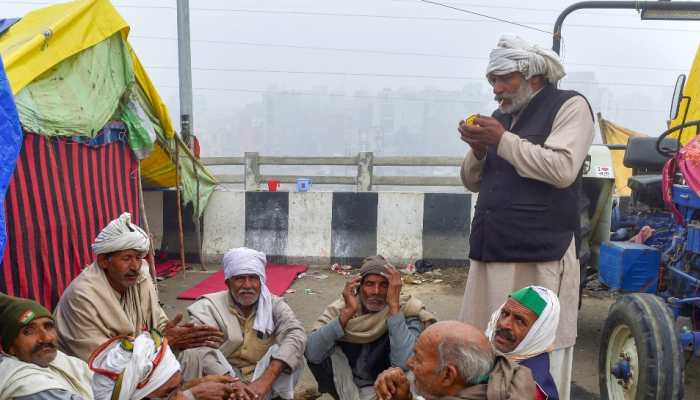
(471, 120)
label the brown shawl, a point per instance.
(90, 312)
(367, 327)
(507, 381)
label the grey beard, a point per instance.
(240, 303)
(519, 100)
(416, 394)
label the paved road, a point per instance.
(444, 299)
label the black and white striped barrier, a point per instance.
(323, 227)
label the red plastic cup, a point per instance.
(272, 185)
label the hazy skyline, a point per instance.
(242, 48)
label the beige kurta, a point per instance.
(557, 163)
(253, 348)
(90, 312)
(18, 378)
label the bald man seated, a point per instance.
(454, 360)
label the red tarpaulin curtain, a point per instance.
(61, 195)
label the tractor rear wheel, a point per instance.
(640, 356)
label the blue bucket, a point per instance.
(303, 184)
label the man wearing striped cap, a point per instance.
(369, 329)
(31, 365)
(524, 329)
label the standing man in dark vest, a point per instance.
(525, 163)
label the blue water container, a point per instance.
(628, 266)
(303, 184)
(692, 242)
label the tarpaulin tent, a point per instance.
(613, 133)
(62, 193)
(10, 142)
(91, 118)
(689, 110)
(43, 53)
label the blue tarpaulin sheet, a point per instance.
(6, 23)
(10, 144)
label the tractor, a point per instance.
(653, 328)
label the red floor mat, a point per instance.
(279, 278)
(168, 268)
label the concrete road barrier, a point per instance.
(322, 227)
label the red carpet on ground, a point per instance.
(168, 268)
(279, 278)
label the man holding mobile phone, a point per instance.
(371, 328)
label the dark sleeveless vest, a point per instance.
(539, 365)
(518, 219)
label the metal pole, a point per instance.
(186, 120)
(631, 5)
(197, 225)
(185, 71)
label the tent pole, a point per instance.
(151, 245)
(601, 127)
(197, 224)
(179, 208)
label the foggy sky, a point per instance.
(629, 66)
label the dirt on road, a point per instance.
(442, 292)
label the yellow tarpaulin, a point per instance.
(616, 134)
(689, 110)
(157, 104)
(45, 37)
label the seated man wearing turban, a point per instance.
(524, 329)
(454, 361)
(263, 340)
(371, 328)
(115, 296)
(135, 368)
(32, 366)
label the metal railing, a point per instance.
(363, 180)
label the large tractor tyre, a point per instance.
(640, 356)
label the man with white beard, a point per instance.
(264, 341)
(525, 162)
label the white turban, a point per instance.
(121, 234)
(245, 261)
(542, 333)
(136, 367)
(514, 54)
